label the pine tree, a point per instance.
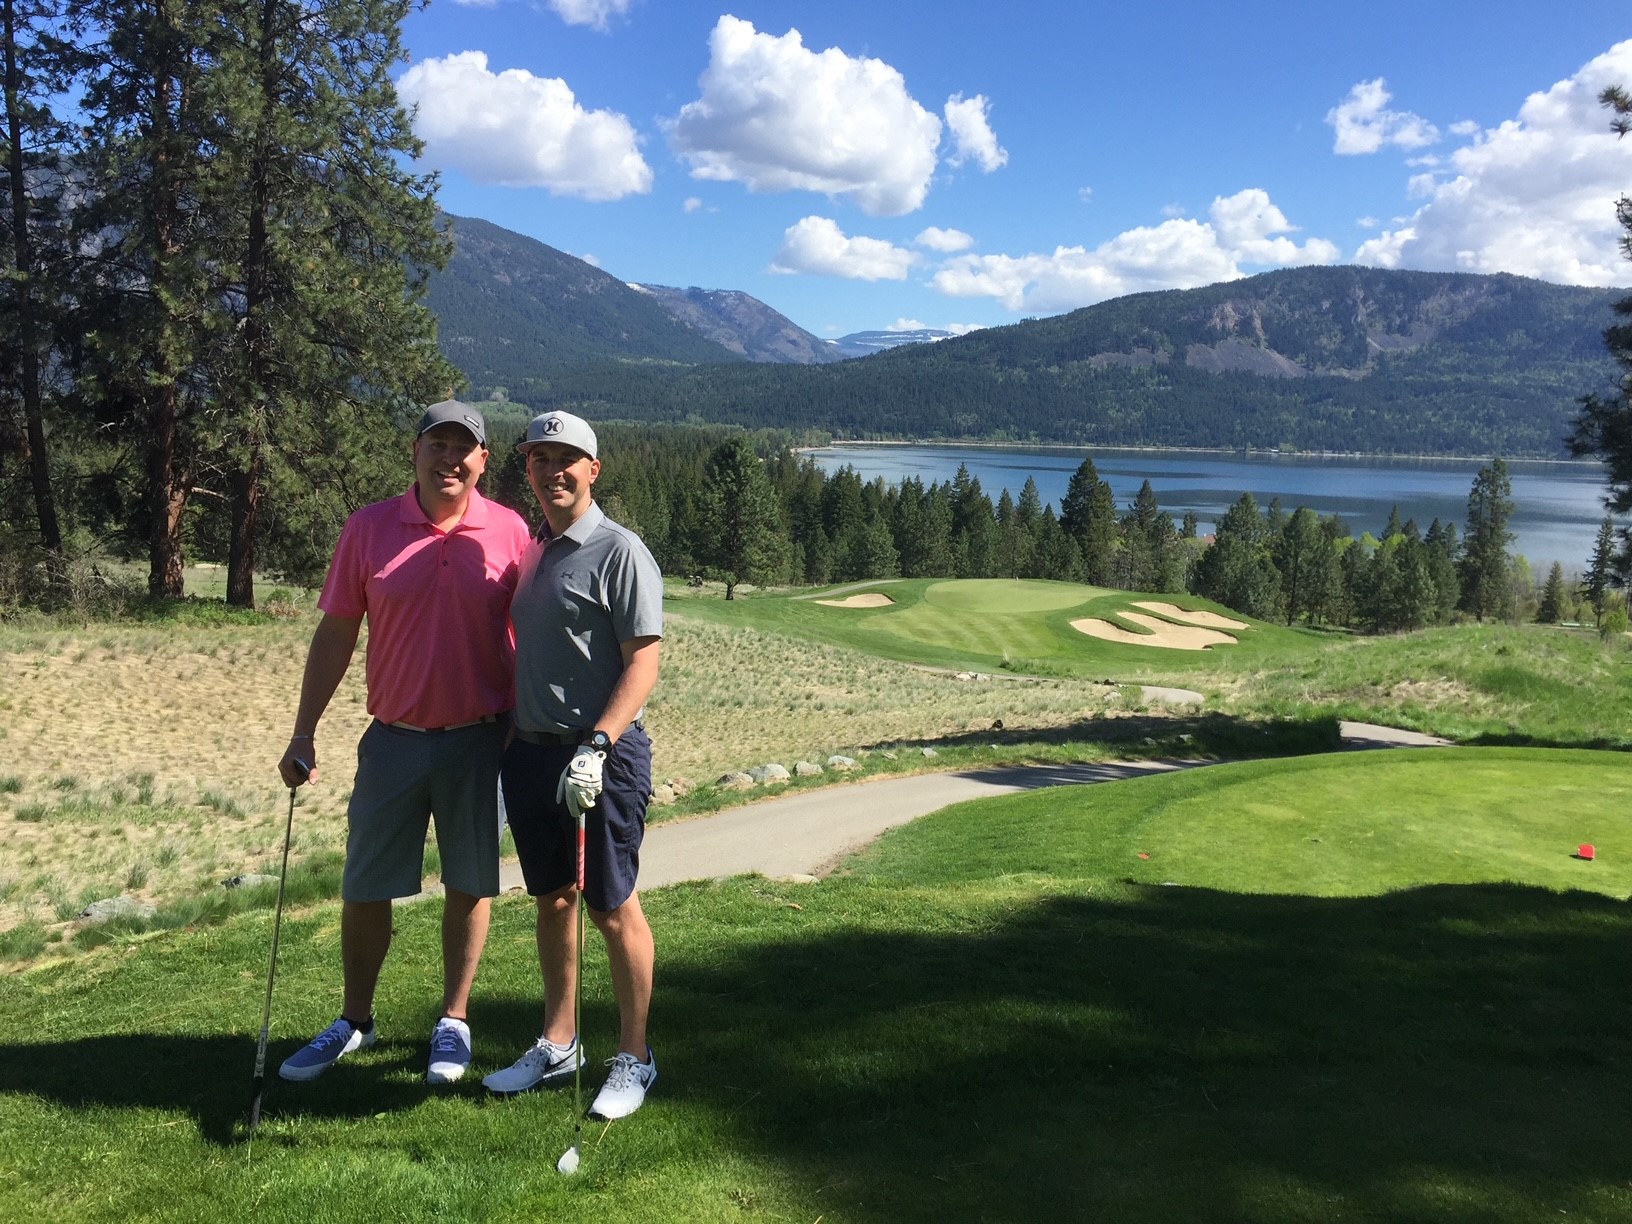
(1484, 570)
(740, 535)
(1237, 570)
(1303, 554)
(1600, 575)
(1551, 608)
(150, 300)
(30, 289)
(1442, 554)
(334, 236)
(1088, 514)
(1603, 427)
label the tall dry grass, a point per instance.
(141, 760)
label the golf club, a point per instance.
(272, 970)
(569, 1158)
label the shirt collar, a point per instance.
(410, 511)
(583, 526)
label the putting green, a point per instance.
(1008, 595)
(1343, 825)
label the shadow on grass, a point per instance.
(1450, 1053)
(209, 1079)
(1137, 1053)
(1235, 736)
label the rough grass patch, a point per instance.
(22, 942)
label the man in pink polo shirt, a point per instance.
(432, 571)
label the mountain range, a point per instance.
(1317, 358)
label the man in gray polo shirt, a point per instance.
(588, 617)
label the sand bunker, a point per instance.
(1196, 616)
(1163, 634)
(871, 600)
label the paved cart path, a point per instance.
(806, 832)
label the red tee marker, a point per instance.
(1586, 851)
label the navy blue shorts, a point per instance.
(547, 839)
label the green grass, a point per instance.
(999, 624)
(1000, 1012)
(1484, 684)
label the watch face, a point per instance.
(601, 742)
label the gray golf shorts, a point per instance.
(404, 780)
(547, 839)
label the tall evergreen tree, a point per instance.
(740, 534)
(1551, 608)
(153, 213)
(30, 289)
(1058, 557)
(1088, 514)
(331, 240)
(1603, 427)
(1304, 555)
(1485, 566)
(1442, 553)
(1600, 575)
(1237, 570)
(974, 528)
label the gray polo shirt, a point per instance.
(579, 597)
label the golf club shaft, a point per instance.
(271, 973)
(578, 999)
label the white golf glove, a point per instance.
(580, 784)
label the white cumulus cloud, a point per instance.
(972, 135)
(1364, 124)
(515, 129)
(1534, 196)
(597, 14)
(778, 117)
(816, 245)
(1182, 253)
(947, 241)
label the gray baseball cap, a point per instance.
(453, 412)
(560, 427)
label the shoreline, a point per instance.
(1248, 452)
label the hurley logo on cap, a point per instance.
(552, 427)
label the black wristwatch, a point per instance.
(600, 741)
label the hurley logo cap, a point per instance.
(453, 412)
(560, 427)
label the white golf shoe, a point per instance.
(625, 1087)
(544, 1063)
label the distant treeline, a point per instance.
(748, 508)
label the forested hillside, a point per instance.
(1352, 359)
(511, 307)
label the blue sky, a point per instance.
(956, 165)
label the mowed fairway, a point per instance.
(1018, 625)
(1345, 824)
(999, 1012)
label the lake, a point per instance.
(1556, 506)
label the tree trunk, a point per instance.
(244, 506)
(167, 488)
(39, 468)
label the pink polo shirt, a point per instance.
(440, 651)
